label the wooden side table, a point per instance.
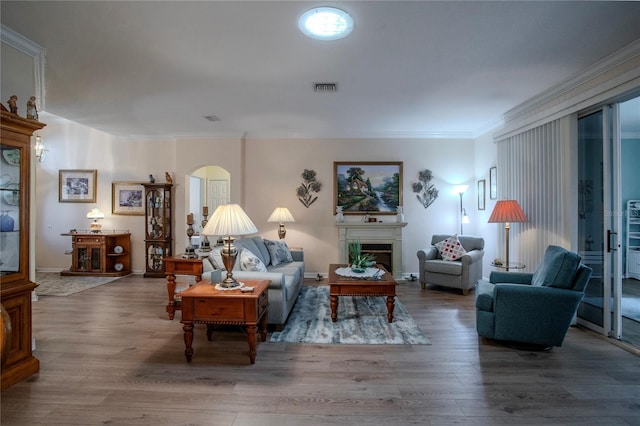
(203, 304)
(177, 265)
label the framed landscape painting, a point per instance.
(77, 186)
(127, 198)
(362, 188)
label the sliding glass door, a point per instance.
(608, 157)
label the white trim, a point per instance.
(534, 113)
(37, 53)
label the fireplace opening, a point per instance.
(383, 254)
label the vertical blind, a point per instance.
(536, 169)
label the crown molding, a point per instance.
(36, 52)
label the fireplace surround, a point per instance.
(385, 239)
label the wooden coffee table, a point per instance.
(203, 304)
(346, 286)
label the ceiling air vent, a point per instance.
(212, 117)
(325, 87)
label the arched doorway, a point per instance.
(209, 187)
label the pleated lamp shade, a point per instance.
(507, 211)
(229, 219)
(281, 215)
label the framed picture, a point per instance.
(481, 194)
(493, 183)
(127, 198)
(77, 186)
(362, 188)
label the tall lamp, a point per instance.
(507, 211)
(96, 215)
(229, 220)
(460, 190)
(281, 215)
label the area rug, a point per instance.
(53, 284)
(630, 306)
(361, 321)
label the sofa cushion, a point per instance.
(443, 267)
(450, 248)
(279, 252)
(264, 251)
(557, 269)
(251, 262)
(250, 245)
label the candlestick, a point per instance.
(190, 219)
(205, 211)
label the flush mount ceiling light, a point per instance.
(325, 23)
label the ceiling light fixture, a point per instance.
(326, 23)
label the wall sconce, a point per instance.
(41, 151)
(460, 190)
(96, 215)
(281, 215)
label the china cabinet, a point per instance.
(158, 227)
(15, 286)
(633, 239)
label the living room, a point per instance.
(454, 158)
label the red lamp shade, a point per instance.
(507, 211)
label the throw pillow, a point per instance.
(279, 252)
(450, 248)
(251, 262)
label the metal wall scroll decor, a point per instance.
(307, 190)
(425, 191)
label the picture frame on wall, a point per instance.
(127, 198)
(493, 183)
(367, 188)
(77, 186)
(481, 194)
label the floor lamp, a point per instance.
(460, 190)
(507, 211)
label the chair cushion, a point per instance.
(450, 248)
(557, 269)
(443, 267)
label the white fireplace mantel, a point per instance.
(373, 233)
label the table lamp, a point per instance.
(281, 215)
(507, 211)
(229, 220)
(96, 215)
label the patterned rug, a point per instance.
(361, 320)
(53, 284)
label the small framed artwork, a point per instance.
(363, 188)
(127, 198)
(481, 194)
(493, 183)
(77, 186)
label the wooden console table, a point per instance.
(178, 265)
(100, 253)
(203, 304)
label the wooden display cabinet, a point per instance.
(15, 286)
(107, 254)
(158, 227)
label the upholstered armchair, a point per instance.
(535, 309)
(462, 273)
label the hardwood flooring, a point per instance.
(109, 355)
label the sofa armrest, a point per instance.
(472, 257)
(510, 277)
(427, 253)
(297, 255)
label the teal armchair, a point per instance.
(536, 308)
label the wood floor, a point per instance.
(109, 355)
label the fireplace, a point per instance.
(383, 254)
(382, 239)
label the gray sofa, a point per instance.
(462, 273)
(286, 278)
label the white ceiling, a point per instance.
(409, 69)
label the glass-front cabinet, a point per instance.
(17, 359)
(158, 232)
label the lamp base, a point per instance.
(229, 254)
(96, 227)
(281, 231)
